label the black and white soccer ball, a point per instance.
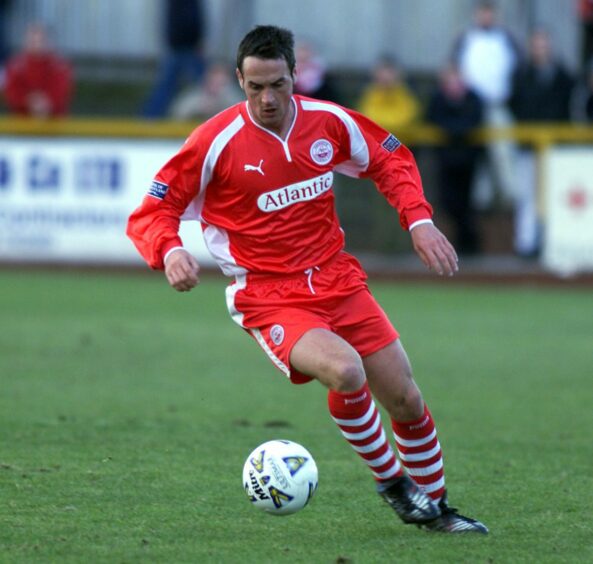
(280, 477)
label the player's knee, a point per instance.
(348, 375)
(406, 402)
(413, 403)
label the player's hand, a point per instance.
(181, 270)
(434, 249)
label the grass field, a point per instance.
(126, 412)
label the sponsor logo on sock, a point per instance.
(420, 425)
(356, 400)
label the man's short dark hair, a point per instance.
(267, 42)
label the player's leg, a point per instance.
(330, 359)
(323, 355)
(362, 322)
(301, 343)
(390, 377)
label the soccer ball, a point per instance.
(280, 477)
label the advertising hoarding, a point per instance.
(68, 199)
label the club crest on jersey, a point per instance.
(277, 334)
(158, 189)
(295, 193)
(322, 151)
(391, 143)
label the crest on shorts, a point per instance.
(277, 334)
(322, 151)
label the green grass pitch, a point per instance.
(127, 410)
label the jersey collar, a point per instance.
(284, 142)
(294, 118)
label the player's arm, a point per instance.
(393, 168)
(397, 177)
(181, 269)
(434, 249)
(154, 225)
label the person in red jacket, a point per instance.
(259, 179)
(38, 80)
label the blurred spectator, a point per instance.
(457, 110)
(542, 89)
(218, 91)
(38, 80)
(542, 86)
(184, 33)
(582, 104)
(487, 57)
(311, 71)
(585, 8)
(4, 4)
(387, 99)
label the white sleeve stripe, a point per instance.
(359, 150)
(194, 210)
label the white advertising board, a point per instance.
(568, 240)
(68, 200)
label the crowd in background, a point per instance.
(491, 78)
(37, 81)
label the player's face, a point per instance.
(268, 86)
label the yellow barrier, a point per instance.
(78, 127)
(540, 136)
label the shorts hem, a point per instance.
(381, 345)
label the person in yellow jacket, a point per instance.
(387, 100)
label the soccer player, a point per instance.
(258, 177)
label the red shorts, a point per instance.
(278, 311)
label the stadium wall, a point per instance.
(350, 34)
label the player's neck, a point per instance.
(283, 130)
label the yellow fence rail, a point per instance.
(540, 136)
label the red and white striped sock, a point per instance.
(420, 452)
(360, 424)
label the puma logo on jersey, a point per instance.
(295, 193)
(257, 168)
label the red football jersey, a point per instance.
(266, 205)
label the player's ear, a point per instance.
(240, 79)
